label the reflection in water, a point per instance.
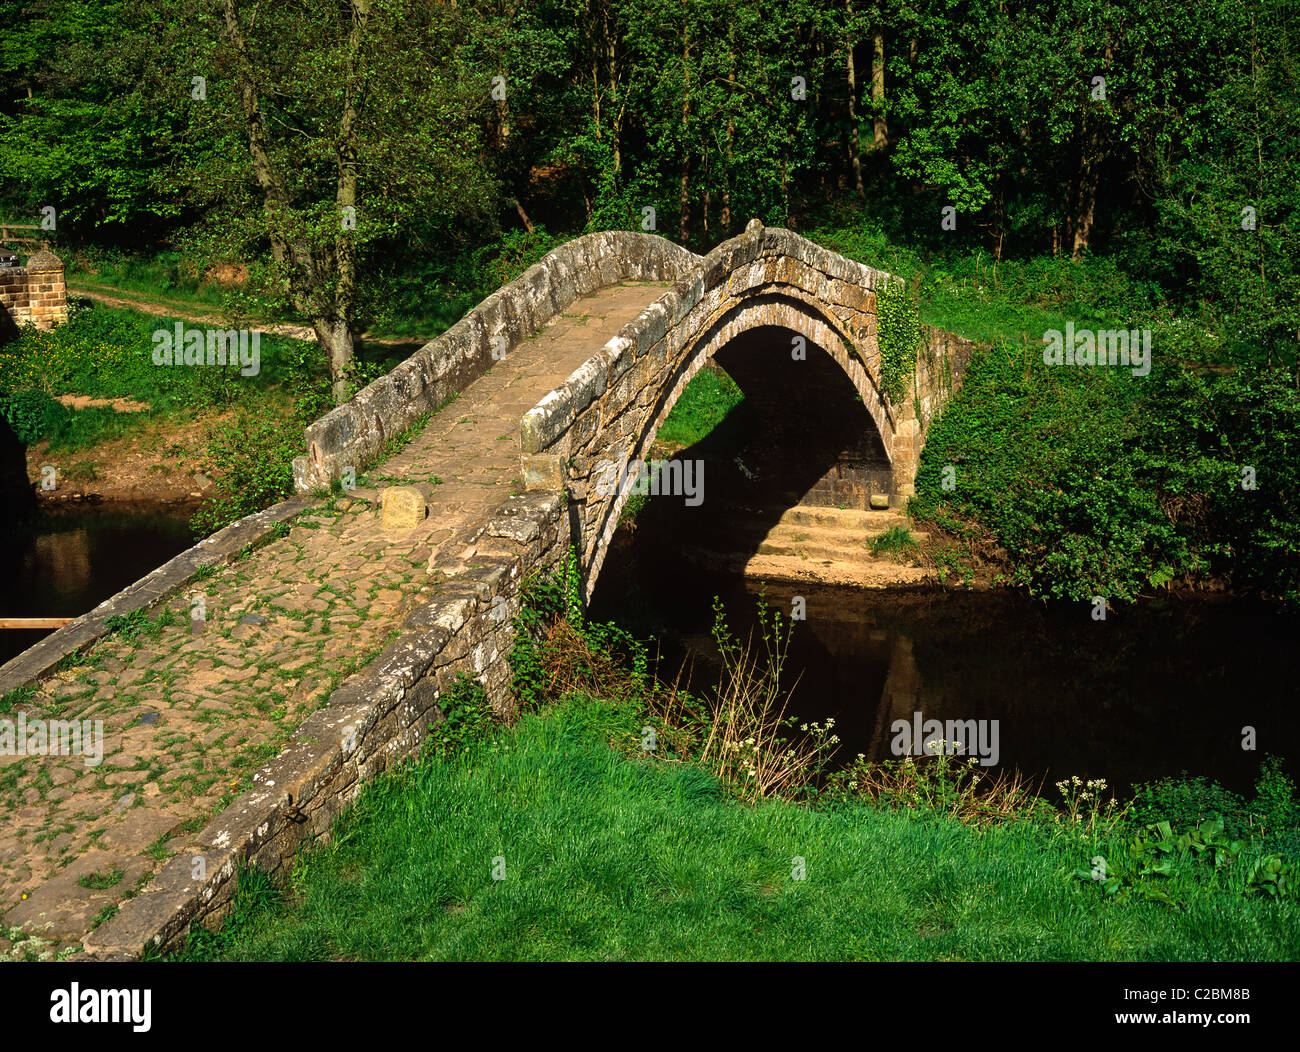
(1153, 691)
(63, 559)
(63, 563)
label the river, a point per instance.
(64, 561)
(1156, 689)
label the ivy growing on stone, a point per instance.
(898, 331)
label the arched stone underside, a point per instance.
(766, 309)
(613, 405)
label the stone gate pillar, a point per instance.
(47, 291)
(36, 294)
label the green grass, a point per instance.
(896, 542)
(138, 624)
(702, 406)
(16, 698)
(104, 352)
(611, 858)
(102, 880)
(164, 276)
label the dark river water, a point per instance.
(65, 562)
(1155, 690)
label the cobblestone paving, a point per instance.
(189, 717)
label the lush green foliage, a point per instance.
(107, 353)
(32, 415)
(1135, 127)
(1100, 483)
(1273, 814)
(550, 619)
(467, 717)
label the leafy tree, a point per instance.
(1231, 205)
(325, 132)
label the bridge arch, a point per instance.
(775, 310)
(612, 406)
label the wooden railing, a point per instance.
(6, 238)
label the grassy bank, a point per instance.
(610, 858)
(91, 389)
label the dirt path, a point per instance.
(127, 300)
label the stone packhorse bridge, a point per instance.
(612, 406)
(333, 625)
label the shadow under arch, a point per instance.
(744, 334)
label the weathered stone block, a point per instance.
(404, 508)
(542, 471)
(542, 425)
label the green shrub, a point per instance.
(544, 599)
(1275, 804)
(467, 716)
(33, 415)
(517, 250)
(1097, 482)
(1187, 801)
(257, 456)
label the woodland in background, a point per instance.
(448, 126)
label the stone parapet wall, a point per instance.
(373, 720)
(36, 294)
(354, 434)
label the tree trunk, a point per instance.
(268, 179)
(334, 333)
(855, 145)
(683, 199)
(523, 216)
(329, 303)
(880, 127)
(340, 345)
(610, 33)
(1092, 152)
(731, 133)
